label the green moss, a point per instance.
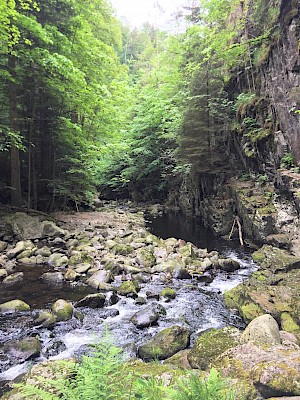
(260, 277)
(168, 293)
(212, 344)
(122, 249)
(288, 324)
(128, 288)
(250, 311)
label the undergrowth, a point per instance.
(103, 375)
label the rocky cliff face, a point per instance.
(263, 184)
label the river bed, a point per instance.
(197, 305)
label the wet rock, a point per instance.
(262, 330)
(45, 319)
(204, 278)
(13, 278)
(14, 305)
(58, 260)
(62, 309)
(24, 226)
(112, 298)
(99, 278)
(31, 260)
(49, 229)
(24, 349)
(53, 278)
(188, 250)
(145, 318)
(43, 251)
(26, 253)
(71, 275)
(165, 344)
(140, 301)
(152, 295)
(168, 293)
(273, 369)
(92, 301)
(228, 264)
(83, 268)
(206, 264)
(181, 273)
(146, 257)
(210, 344)
(3, 246)
(128, 289)
(3, 274)
(19, 248)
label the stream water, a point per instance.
(198, 306)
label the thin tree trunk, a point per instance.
(15, 180)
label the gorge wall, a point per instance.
(262, 185)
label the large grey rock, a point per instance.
(49, 229)
(24, 349)
(262, 330)
(98, 278)
(14, 305)
(53, 278)
(145, 318)
(228, 264)
(92, 301)
(58, 260)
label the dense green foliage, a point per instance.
(88, 104)
(104, 375)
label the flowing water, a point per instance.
(197, 305)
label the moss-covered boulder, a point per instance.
(276, 260)
(274, 289)
(272, 369)
(98, 278)
(45, 319)
(210, 344)
(165, 344)
(12, 279)
(145, 257)
(63, 310)
(289, 324)
(24, 349)
(129, 289)
(122, 249)
(168, 293)
(262, 330)
(14, 305)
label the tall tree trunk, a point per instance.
(15, 180)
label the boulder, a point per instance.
(145, 257)
(14, 305)
(45, 319)
(181, 273)
(92, 301)
(168, 293)
(53, 278)
(58, 260)
(98, 278)
(145, 318)
(63, 310)
(19, 248)
(129, 289)
(210, 344)
(71, 275)
(262, 330)
(228, 264)
(273, 369)
(24, 226)
(276, 260)
(165, 344)
(13, 278)
(3, 246)
(49, 229)
(43, 251)
(22, 350)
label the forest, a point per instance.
(89, 106)
(150, 202)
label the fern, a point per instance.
(213, 388)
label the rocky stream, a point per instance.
(63, 281)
